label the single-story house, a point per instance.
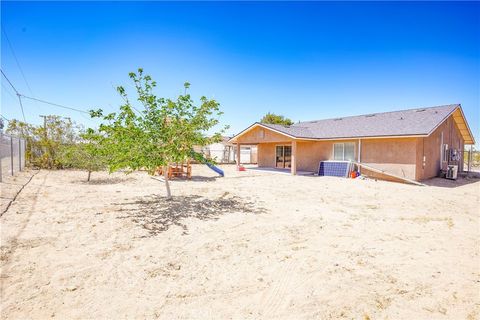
(415, 144)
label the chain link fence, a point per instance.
(12, 155)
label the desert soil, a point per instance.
(252, 245)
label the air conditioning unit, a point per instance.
(452, 172)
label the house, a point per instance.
(415, 144)
(225, 152)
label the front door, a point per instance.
(283, 156)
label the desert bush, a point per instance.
(87, 154)
(44, 143)
(59, 143)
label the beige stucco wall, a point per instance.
(429, 148)
(266, 140)
(394, 155)
(310, 153)
(261, 135)
(266, 155)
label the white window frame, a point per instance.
(343, 150)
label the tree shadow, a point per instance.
(192, 179)
(203, 178)
(156, 214)
(103, 181)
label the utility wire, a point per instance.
(7, 90)
(16, 60)
(14, 89)
(54, 104)
(1, 115)
(21, 106)
(18, 95)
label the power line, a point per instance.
(14, 89)
(18, 95)
(1, 115)
(54, 104)
(39, 100)
(16, 60)
(8, 91)
(21, 107)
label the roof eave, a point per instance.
(255, 124)
(459, 107)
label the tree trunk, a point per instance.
(89, 173)
(167, 185)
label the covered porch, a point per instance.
(277, 152)
(281, 157)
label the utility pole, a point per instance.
(44, 121)
(45, 135)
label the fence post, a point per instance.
(19, 154)
(11, 154)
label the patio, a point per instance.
(278, 170)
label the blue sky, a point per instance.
(306, 60)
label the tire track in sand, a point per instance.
(277, 298)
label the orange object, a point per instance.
(241, 168)
(353, 174)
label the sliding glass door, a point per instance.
(283, 156)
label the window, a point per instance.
(344, 151)
(338, 151)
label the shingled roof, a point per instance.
(411, 122)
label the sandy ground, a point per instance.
(251, 245)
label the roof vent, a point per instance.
(401, 118)
(420, 110)
(370, 115)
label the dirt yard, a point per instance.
(251, 245)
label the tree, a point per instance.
(273, 118)
(87, 154)
(163, 132)
(44, 142)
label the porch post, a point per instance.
(293, 163)
(238, 155)
(359, 154)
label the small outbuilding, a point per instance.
(415, 144)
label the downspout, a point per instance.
(441, 152)
(424, 159)
(359, 160)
